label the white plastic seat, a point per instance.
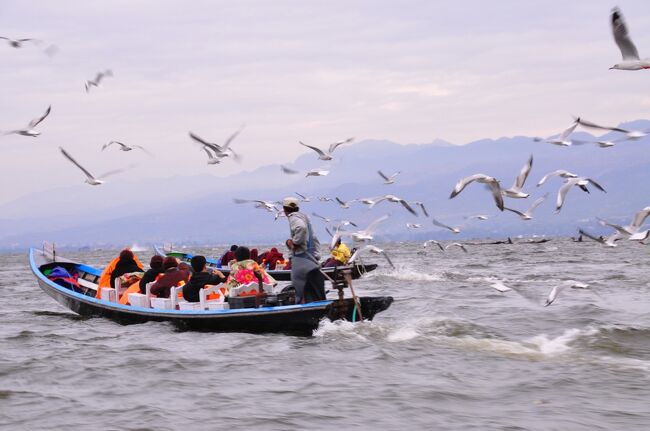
(173, 295)
(245, 289)
(213, 304)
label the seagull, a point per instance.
(388, 179)
(90, 179)
(630, 135)
(124, 147)
(413, 226)
(18, 43)
(561, 140)
(456, 244)
(556, 290)
(344, 205)
(560, 172)
(610, 241)
(630, 55)
(98, 78)
(433, 241)
(528, 215)
(327, 220)
(303, 198)
(220, 151)
(480, 178)
(390, 198)
(570, 182)
(325, 199)
(269, 206)
(366, 234)
(453, 229)
(632, 228)
(516, 190)
(371, 249)
(327, 156)
(478, 216)
(421, 205)
(30, 129)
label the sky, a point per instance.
(317, 72)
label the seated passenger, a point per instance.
(107, 280)
(200, 278)
(172, 277)
(125, 265)
(340, 255)
(272, 257)
(228, 256)
(246, 270)
(156, 268)
(254, 255)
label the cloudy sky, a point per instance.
(409, 71)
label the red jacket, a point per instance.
(171, 278)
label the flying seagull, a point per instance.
(528, 214)
(90, 179)
(371, 249)
(516, 190)
(366, 234)
(421, 205)
(388, 179)
(437, 223)
(629, 53)
(303, 198)
(125, 147)
(570, 182)
(220, 151)
(18, 43)
(478, 217)
(456, 244)
(390, 198)
(610, 241)
(492, 182)
(322, 155)
(344, 204)
(562, 140)
(557, 289)
(30, 129)
(98, 78)
(632, 228)
(410, 226)
(433, 241)
(269, 206)
(560, 172)
(631, 135)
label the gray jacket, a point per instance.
(303, 236)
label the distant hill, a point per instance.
(199, 209)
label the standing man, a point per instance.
(305, 250)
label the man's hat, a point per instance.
(290, 202)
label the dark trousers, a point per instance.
(315, 286)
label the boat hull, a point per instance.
(288, 319)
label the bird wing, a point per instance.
(561, 193)
(113, 142)
(618, 228)
(424, 210)
(318, 150)
(437, 223)
(496, 194)
(372, 226)
(640, 217)
(36, 121)
(340, 201)
(232, 137)
(388, 259)
(463, 182)
(519, 213)
(598, 186)
(591, 125)
(408, 207)
(381, 174)
(144, 149)
(537, 203)
(434, 242)
(301, 196)
(210, 155)
(552, 295)
(565, 134)
(523, 174)
(214, 147)
(335, 145)
(69, 157)
(621, 36)
(319, 216)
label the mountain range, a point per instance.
(200, 209)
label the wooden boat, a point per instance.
(291, 319)
(279, 274)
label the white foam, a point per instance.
(402, 334)
(561, 344)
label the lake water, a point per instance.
(451, 353)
